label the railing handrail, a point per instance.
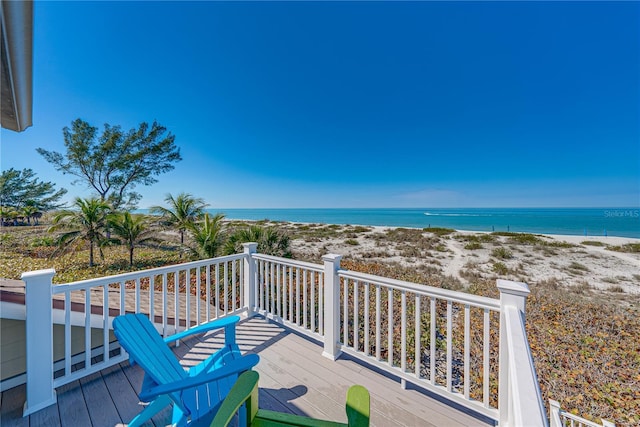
(318, 268)
(106, 280)
(425, 290)
(526, 406)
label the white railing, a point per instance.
(423, 335)
(560, 418)
(291, 292)
(520, 396)
(470, 349)
(174, 297)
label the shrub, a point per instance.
(526, 239)
(577, 266)
(473, 246)
(502, 253)
(440, 231)
(592, 243)
(43, 241)
(629, 247)
(352, 242)
(500, 268)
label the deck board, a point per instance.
(72, 406)
(294, 378)
(11, 404)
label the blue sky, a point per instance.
(329, 104)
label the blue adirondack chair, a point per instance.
(195, 392)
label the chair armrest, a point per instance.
(232, 368)
(244, 390)
(216, 324)
(358, 406)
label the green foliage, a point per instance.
(592, 243)
(208, 235)
(359, 229)
(84, 224)
(270, 240)
(526, 239)
(473, 246)
(133, 230)
(440, 231)
(502, 253)
(116, 161)
(476, 238)
(46, 241)
(629, 247)
(352, 242)
(182, 212)
(22, 189)
(500, 268)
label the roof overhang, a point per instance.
(16, 80)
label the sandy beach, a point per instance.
(568, 261)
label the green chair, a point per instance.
(245, 391)
(195, 392)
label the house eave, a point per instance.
(16, 80)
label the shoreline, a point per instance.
(570, 238)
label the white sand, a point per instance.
(590, 266)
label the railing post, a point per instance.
(554, 414)
(250, 277)
(39, 340)
(511, 294)
(331, 306)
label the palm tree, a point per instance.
(29, 212)
(7, 214)
(134, 230)
(270, 241)
(182, 212)
(208, 235)
(86, 223)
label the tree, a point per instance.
(30, 212)
(86, 223)
(116, 161)
(134, 230)
(22, 188)
(270, 241)
(208, 235)
(8, 214)
(182, 212)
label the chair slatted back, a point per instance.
(147, 348)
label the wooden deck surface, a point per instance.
(294, 378)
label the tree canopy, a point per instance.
(85, 223)
(183, 211)
(20, 189)
(114, 162)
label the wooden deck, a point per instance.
(294, 378)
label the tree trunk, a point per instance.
(131, 256)
(90, 254)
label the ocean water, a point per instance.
(623, 222)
